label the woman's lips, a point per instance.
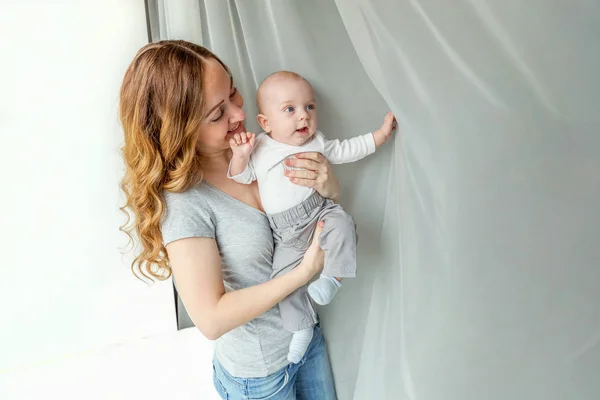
(239, 129)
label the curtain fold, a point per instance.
(494, 292)
(479, 225)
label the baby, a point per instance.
(288, 116)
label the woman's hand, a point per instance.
(314, 257)
(316, 173)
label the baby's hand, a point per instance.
(242, 144)
(382, 134)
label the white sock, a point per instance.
(299, 345)
(324, 289)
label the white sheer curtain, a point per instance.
(480, 225)
(497, 291)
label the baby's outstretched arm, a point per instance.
(382, 134)
(242, 145)
(358, 147)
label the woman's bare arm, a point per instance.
(196, 266)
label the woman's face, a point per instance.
(223, 114)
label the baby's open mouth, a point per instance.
(302, 131)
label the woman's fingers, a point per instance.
(301, 173)
(304, 182)
(314, 256)
(318, 231)
(305, 164)
(318, 157)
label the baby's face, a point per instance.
(290, 111)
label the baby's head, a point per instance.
(287, 108)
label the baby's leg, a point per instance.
(292, 233)
(338, 240)
(297, 313)
(299, 344)
(298, 317)
(323, 290)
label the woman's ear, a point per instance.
(263, 121)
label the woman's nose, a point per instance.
(237, 114)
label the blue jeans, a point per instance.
(310, 379)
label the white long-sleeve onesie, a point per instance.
(266, 166)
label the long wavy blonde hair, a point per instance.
(161, 109)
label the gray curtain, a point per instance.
(480, 224)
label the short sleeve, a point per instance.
(187, 215)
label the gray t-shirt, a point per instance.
(259, 347)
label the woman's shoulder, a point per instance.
(197, 198)
(187, 214)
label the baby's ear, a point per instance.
(263, 121)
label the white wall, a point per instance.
(64, 286)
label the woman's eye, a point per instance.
(289, 109)
(233, 93)
(220, 115)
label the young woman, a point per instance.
(179, 108)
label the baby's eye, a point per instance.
(289, 109)
(310, 107)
